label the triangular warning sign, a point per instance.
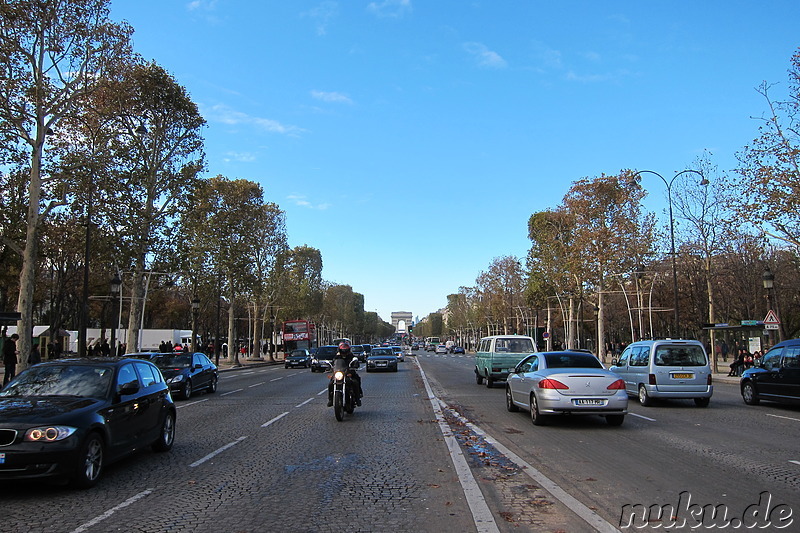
(771, 318)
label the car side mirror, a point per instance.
(198, 366)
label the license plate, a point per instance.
(683, 376)
(2, 458)
(589, 402)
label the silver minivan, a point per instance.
(666, 368)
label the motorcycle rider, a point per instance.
(341, 361)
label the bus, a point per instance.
(298, 335)
(431, 343)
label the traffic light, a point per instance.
(411, 328)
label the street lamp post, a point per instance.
(115, 287)
(672, 232)
(768, 279)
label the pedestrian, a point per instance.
(105, 349)
(10, 358)
(35, 357)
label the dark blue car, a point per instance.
(70, 418)
(776, 378)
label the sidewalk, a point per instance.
(226, 365)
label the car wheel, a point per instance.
(644, 398)
(702, 402)
(212, 386)
(615, 420)
(167, 436)
(489, 383)
(536, 418)
(186, 390)
(510, 405)
(478, 378)
(749, 394)
(90, 462)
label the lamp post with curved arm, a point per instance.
(671, 230)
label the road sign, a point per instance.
(771, 318)
(545, 335)
(771, 326)
(749, 322)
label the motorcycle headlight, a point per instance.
(176, 379)
(48, 433)
(339, 375)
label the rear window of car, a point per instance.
(680, 356)
(571, 360)
(513, 345)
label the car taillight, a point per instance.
(551, 384)
(708, 381)
(617, 385)
(652, 379)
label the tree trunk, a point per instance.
(27, 281)
(233, 352)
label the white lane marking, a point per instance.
(276, 379)
(192, 403)
(231, 392)
(113, 510)
(305, 402)
(589, 516)
(323, 391)
(216, 452)
(642, 416)
(274, 419)
(481, 514)
(785, 417)
(795, 462)
(256, 384)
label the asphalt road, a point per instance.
(674, 453)
(265, 454)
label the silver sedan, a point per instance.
(562, 383)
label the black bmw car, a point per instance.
(185, 373)
(70, 418)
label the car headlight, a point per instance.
(176, 379)
(48, 433)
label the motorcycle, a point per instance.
(344, 400)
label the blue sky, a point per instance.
(411, 140)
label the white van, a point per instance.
(666, 368)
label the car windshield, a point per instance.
(680, 356)
(172, 361)
(382, 351)
(298, 353)
(62, 380)
(571, 360)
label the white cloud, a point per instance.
(390, 8)
(322, 15)
(484, 56)
(300, 200)
(241, 157)
(226, 115)
(331, 97)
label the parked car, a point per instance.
(382, 358)
(666, 368)
(398, 352)
(776, 378)
(70, 418)
(299, 357)
(185, 373)
(321, 362)
(566, 383)
(440, 348)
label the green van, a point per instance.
(498, 355)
